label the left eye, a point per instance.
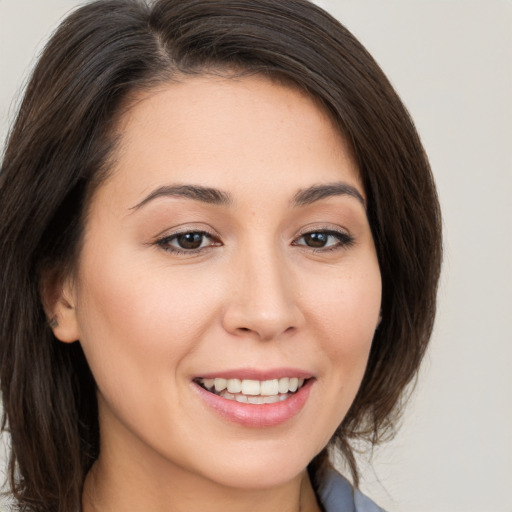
(324, 239)
(189, 241)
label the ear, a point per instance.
(58, 295)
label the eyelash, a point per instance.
(344, 241)
(166, 241)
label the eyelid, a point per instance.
(345, 239)
(181, 229)
(323, 228)
(343, 236)
(163, 240)
(174, 236)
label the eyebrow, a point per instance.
(318, 192)
(215, 196)
(196, 192)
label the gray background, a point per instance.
(451, 61)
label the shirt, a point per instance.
(337, 495)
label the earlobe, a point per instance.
(59, 303)
(64, 320)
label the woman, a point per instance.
(220, 252)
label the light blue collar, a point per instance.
(337, 495)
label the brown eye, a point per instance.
(325, 240)
(316, 239)
(190, 240)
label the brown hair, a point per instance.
(58, 152)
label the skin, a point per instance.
(255, 295)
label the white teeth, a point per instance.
(234, 385)
(270, 387)
(255, 399)
(254, 391)
(283, 385)
(209, 383)
(251, 387)
(258, 400)
(220, 384)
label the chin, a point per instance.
(258, 468)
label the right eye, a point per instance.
(188, 242)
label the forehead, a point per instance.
(225, 132)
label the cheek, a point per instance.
(346, 311)
(135, 319)
(343, 311)
(349, 301)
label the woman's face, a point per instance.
(229, 247)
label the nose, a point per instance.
(263, 298)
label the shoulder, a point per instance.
(338, 495)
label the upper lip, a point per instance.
(257, 374)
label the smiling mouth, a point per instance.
(253, 391)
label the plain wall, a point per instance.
(451, 61)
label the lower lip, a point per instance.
(257, 415)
